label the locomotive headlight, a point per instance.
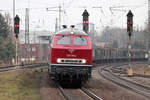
(83, 61)
(58, 60)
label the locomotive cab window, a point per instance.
(63, 40)
(79, 40)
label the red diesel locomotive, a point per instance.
(70, 56)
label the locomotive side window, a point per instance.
(64, 40)
(79, 40)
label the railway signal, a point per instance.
(85, 21)
(129, 30)
(16, 25)
(129, 23)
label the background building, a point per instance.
(38, 47)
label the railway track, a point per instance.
(107, 73)
(78, 94)
(32, 65)
(119, 70)
(6, 68)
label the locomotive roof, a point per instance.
(71, 31)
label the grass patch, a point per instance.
(20, 85)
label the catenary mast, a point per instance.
(148, 39)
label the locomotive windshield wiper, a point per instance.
(82, 38)
(61, 37)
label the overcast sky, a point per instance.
(101, 17)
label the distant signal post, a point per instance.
(129, 31)
(16, 32)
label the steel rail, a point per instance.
(85, 91)
(63, 92)
(89, 93)
(32, 65)
(119, 71)
(138, 84)
(136, 87)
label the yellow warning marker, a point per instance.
(130, 72)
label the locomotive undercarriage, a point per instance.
(70, 73)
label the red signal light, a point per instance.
(85, 22)
(130, 23)
(16, 25)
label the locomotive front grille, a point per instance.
(76, 61)
(71, 61)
